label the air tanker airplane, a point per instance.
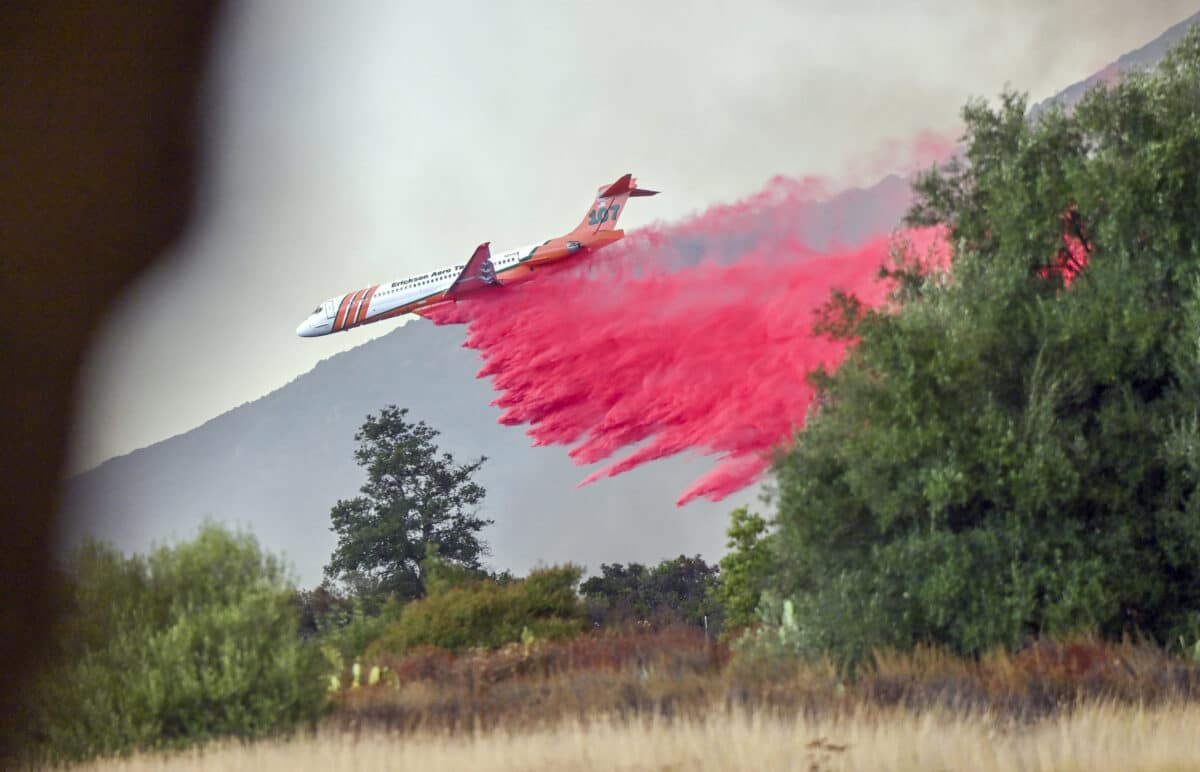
(482, 273)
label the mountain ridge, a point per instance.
(1147, 55)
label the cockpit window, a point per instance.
(317, 310)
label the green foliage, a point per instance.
(414, 498)
(441, 574)
(488, 613)
(677, 590)
(1006, 455)
(193, 642)
(318, 605)
(745, 569)
(350, 632)
(775, 648)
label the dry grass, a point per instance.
(1097, 738)
(676, 673)
(671, 700)
(669, 672)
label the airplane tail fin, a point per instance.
(610, 203)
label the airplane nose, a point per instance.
(304, 330)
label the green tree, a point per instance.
(192, 642)
(745, 569)
(414, 498)
(676, 590)
(1006, 453)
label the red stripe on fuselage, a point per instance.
(352, 311)
(341, 314)
(362, 307)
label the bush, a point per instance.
(670, 672)
(488, 613)
(1015, 450)
(677, 590)
(193, 642)
(346, 634)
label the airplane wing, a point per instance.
(477, 274)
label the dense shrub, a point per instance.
(192, 642)
(677, 590)
(488, 613)
(1044, 678)
(1009, 452)
(323, 603)
(672, 671)
(345, 636)
(678, 672)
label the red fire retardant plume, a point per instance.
(693, 337)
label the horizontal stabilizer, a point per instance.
(624, 186)
(617, 188)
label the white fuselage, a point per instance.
(385, 301)
(485, 269)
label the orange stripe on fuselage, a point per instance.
(362, 307)
(558, 249)
(341, 314)
(352, 311)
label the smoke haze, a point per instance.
(358, 142)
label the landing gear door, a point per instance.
(328, 309)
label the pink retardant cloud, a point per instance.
(694, 337)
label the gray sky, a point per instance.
(352, 143)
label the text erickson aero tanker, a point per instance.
(419, 293)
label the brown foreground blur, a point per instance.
(98, 144)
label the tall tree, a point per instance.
(415, 499)
(1012, 453)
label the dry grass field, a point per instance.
(671, 700)
(1097, 738)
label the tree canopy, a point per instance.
(415, 499)
(1010, 451)
(677, 590)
